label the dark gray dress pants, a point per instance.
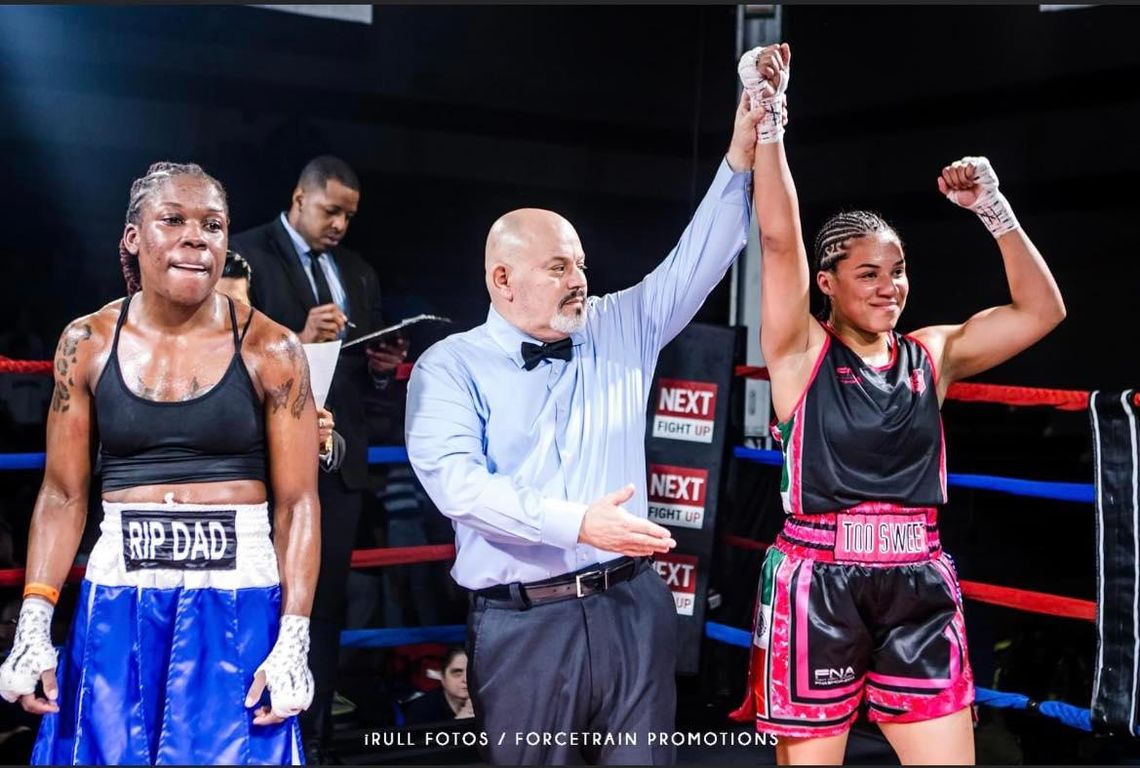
(549, 682)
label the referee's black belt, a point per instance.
(588, 581)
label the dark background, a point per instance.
(617, 118)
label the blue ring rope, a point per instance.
(1072, 716)
(393, 636)
(1083, 492)
(21, 461)
(377, 454)
(395, 454)
(387, 454)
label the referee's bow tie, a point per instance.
(533, 354)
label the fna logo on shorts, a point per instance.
(686, 410)
(829, 676)
(191, 540)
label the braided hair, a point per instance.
(143, 188)
(834, 239)
(237, 267)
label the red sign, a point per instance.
(677, 495)
(680, 575)
(685, 410)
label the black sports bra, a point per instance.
(215, 437)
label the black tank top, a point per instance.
(862, 433)
(215, 437)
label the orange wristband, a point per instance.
(46, 591)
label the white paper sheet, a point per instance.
(322, 364)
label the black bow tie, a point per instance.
(533, 354)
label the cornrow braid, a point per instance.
(141, 190)
(130, 265)
(835, 237)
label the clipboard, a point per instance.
(405, 323)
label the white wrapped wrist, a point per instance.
(286, 668)
(770, 129)
(32, 651)
(990, 206)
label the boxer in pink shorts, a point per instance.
(857, 604)
(863, 603)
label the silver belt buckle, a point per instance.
(578, 580)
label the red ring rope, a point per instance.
(361, 558)
(14, 577)
(1007, 597)
(371, 558)
(972, 392)
(8, 365)
(1062, 399)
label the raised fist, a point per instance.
(765, 71)
(972, 183)
(968, 181)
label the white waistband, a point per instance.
(254, 562)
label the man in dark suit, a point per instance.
(308, 283)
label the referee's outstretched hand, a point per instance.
(607, 526)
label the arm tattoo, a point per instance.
(298, 406)
(298, 360)
(279, 396)
(66, 356)
(61, 397)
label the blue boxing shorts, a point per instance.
(179, 606)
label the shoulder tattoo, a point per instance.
(66, 358)
(282, 395)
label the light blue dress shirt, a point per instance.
(328, 266)
(514, 457)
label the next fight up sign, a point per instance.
(677, 495)
(687, 434)
(686, 410)
(680, 574)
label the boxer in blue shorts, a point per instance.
(190, 611)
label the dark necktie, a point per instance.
(324, 295)
(533, 354)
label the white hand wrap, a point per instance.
(770, 129)
(286, 668)
(32, 652)
(990, 206)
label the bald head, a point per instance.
(522, 231)
(534, 268)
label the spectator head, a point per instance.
(324, 201)
(455, 674)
